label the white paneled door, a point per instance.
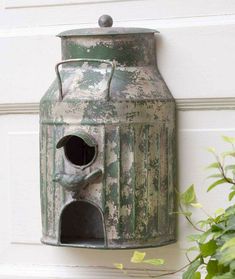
(195, 54)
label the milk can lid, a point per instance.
(105, 23)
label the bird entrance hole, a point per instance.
(78, 152)
(82, 224)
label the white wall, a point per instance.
(196, 58)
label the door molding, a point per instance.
(227, 103)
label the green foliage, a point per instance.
(139, 257)
(229, 139)
(191, 273)
(231, 195)
(188, 196)
(208, 249)
(216, 183)
(118, 265)
(227, 275)
(215, 240)
(214, 165)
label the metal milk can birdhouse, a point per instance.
(107, 143)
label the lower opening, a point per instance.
(82, 224)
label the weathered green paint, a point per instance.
(135, 135)
(121, 51)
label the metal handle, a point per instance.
(83, 60)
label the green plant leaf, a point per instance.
(228, 153)
(218, 234)
(188, 196)
(231, 195)
(209, 248)
(216, 183)
(118, 265)
(229, 139)
(218, 227)
(226, 256)
(203, 223)
(215, 165)
(229, 167)
(219, 211)
(190, 272)
(204, 236)
(197, 275)
(230, 224)
(193, 237)
(211, 149)
(227, 275)
(212, 268)
(228, 244)
(138, 257)
(155, 262)
(229, 211)
(232, 266)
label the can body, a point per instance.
(119, 118)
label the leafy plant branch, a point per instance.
(139, 257)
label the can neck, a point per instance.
(128, 50)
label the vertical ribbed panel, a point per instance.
(49, 194)
(51, 178)
(112, 177)
(104, 180)
(43, 178)
(163, 189)
(59, 192)
(141, 181)
(171, 180)
(137, 175)
(153, 179)
(50, 183)
(127, 182)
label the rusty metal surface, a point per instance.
(104, 31)
(135, 134)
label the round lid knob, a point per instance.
(105, 21)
